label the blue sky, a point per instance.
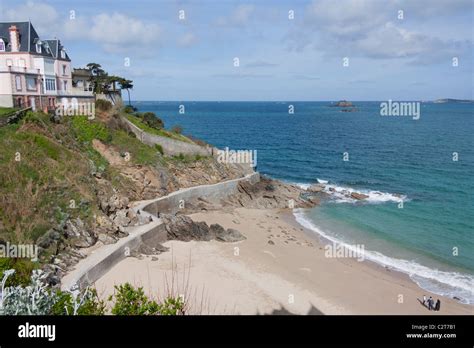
(280, 58)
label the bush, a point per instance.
(129, 109)
(87, 130)
(38, 299)
(102, 104)
(159, 148)
(177, 129)
(152, 120)
(131, 301)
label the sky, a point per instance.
(228, 50)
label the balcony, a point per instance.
(17, 69)
(75, 92)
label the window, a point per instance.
(31, 83)
(63, 54)
(2, 45)
(9, 62)
(38, 48)
(50, 84)
(18, 82)
(65, 85)
(64, 69)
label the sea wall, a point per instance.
(171, 147)
(88, 270)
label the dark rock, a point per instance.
(183, 228)
(358, 196)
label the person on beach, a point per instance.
(424, 300)
(437, 305)
(430, 303)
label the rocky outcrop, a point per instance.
(270, 194)
(182, 227)
(358, 196)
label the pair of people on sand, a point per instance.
(431, 304)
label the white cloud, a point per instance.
(43, 16)
(187, 40)
(369, 28)
(239, 17)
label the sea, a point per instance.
(417, 171)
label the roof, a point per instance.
(29, 38)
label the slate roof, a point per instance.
(28, 40)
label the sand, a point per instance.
(289, 274)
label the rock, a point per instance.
(48, 239)
(183, 228)
(316, 188)
(121, 218)
(231, 236)
(358, 196)
(78, 234)
(271, 242)
(106, 238)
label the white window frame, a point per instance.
(3, 47)
(38, 48)
(18, 82)
(63, 54)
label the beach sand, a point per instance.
(255, 276)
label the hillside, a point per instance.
(67, 183)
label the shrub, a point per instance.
(37, 299)
(159, 148)
(87, 130)
(102, 104)
(131, 301)
(177, 129)
(23, 270)
(129, 109)
(152, 120)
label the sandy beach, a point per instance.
(279, 268)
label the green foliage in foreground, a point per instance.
(131, 301)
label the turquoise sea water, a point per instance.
(391, 159)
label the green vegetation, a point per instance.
(131, 301)
(188, 158)
(103, 105)
(23, 270)
(91, 305)
(6, 111)
(137, 121)
(86, 130)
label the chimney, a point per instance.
(14, 38)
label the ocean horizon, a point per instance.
(417, 217)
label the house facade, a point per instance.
(34, 72)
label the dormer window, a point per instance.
(63, 54)
(38, 48)
(2, 45)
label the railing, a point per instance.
(75, 92)
(17, 69)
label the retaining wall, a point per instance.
(171, 147)
(90, 269)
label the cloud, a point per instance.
(239, 17)
(115, 32)
(187, 40)
(370, 29)
(260, 64)
(242, 76)
(43, 16)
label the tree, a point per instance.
(127, 85)
(98, 77)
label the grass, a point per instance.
(139, 152)
(161, 132)
(6, 111)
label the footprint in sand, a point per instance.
(269, 253)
